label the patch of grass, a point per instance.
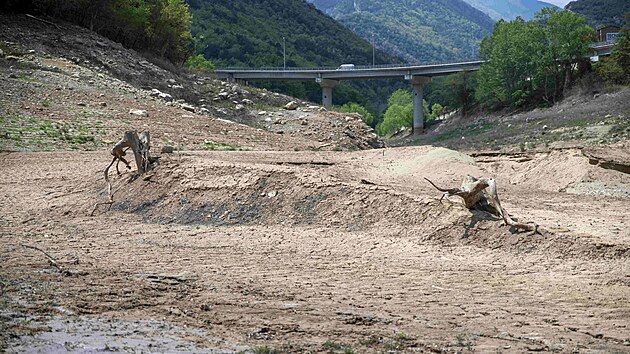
(211, 145)
(31, 133)
(337, 347)
(369, 341)
(264, 350)
(579, 122)
(463, 340)
(402, 336)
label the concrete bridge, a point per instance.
(328, 78)
(600, 49)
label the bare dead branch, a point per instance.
(473, 192)
(51, 260)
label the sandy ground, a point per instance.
(312, 252)
(287, 247)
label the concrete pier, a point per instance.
(327, 92)
(418, 115)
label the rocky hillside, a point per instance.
(418, 31)
(64, 87)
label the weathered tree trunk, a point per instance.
(139, 145)
(473, 192)
(568, 76)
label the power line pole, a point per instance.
(373, 51)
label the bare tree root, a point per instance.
(139, 145)
(473, 192)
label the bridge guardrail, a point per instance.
(357, 67)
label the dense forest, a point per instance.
(255, 33)
(601, 13)
(418, 31)
(159, 27)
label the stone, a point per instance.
(165, 96)
(187, 107)
(239, 107)
(262, 113)
(139, 112)
(171, 81)
(247, 101)
(1, 53)
(102, 104)
(291, 106)
(167, 149)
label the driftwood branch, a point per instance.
(473, 192)
(139, 145)
(53, 262)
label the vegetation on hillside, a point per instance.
(160, 27)
(601, 13)
(529, 61)
(418, 31)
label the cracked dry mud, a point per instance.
(314, 252)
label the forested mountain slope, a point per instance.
(250, 33)
(509, 9)
(418, 31)
(600, 13)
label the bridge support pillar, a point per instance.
(418, 116)
(327, 92)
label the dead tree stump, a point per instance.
(139, 145)
(473, 192)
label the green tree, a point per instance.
(399, 113)
(527, 61)
(353, 107)
(568, 38)
(199, 63)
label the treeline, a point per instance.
(530, 61)
(160, 27)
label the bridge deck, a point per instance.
(359, 72)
